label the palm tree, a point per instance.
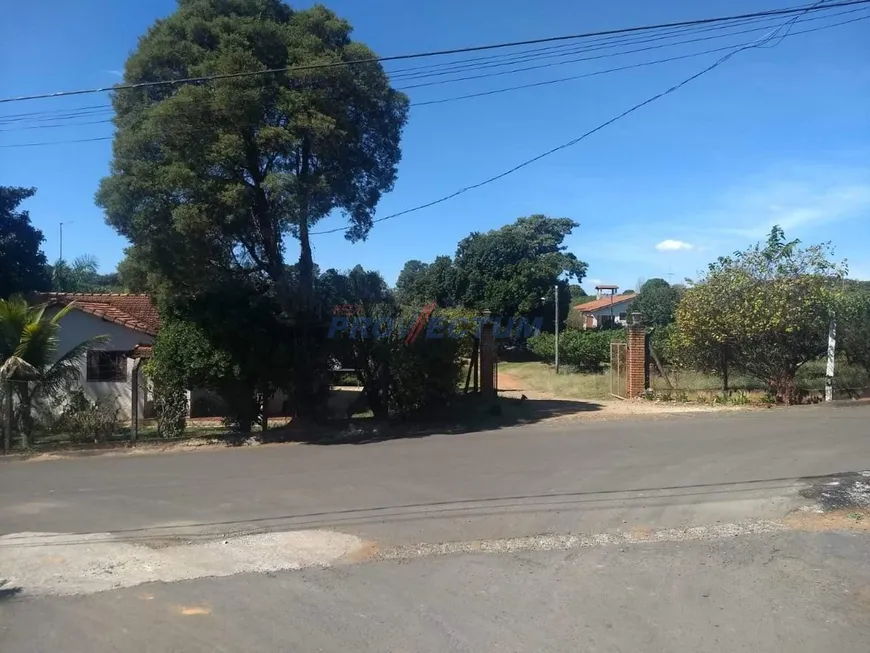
(79, 276)
(28, 336)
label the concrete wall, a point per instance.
(77, 327)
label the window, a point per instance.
(107, 366)
(622, 317)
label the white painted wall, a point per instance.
(78, 326)
(618, 309)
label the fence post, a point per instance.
(7, 430)
(829, 371)
(487, 357)
(134, 408)
(637, 358)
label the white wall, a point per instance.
(78, 326)
(617, 310)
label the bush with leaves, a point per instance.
(170, 408)
(85, 419)
(424, 374)
(587, 351)
(765, 311)
(853, 324)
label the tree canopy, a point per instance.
(509, 271)
(83, 275)
(217, 175)
(22, 263)
(766, 310)
(420, 283)
(656, 302)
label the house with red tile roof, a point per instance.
(607, 310)
(128, 322)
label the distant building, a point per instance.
(609, 310)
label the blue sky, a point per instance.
(775, 135)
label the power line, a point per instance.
(470, 95)
(577, 60)
(71, 115)
(440, 68)
(436, 53)
(555, 52)
(545, 52)
(595, 73)
(78, 140)
(528, 162)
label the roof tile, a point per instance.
(604, 302)
(135, 312)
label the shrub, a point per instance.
(399, 378)
(424, 375)
(588, 350)
(170, 407)
(83, 419)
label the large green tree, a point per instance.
(765, 310)
(22, 263)
(82, 275)
(510, 271)
(208, 180)
(513, 270)
(656, 302)
(421, 283)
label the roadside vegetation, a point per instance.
(219, 189)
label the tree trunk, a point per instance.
(264, 403)
(306, 260)
(26, 416)
(723, 366)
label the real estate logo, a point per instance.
(350, 321)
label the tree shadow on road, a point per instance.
(464, 415)
(8, 592)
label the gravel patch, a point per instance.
(841, 491)
(567, 542)
(58, 563)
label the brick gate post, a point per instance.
(637, 358)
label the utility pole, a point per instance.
(829, 371)
(61, 239)
(556, 293)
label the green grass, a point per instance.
(542, 378)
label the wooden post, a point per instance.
(7, 431)
(264, 398)
(487, 357)
(25, 422)
(556, 323)
(475, 358)
(134, 409)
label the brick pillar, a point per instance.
(487, 358)
(637, 358)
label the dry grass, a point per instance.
(541, 378)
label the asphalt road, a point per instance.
(718, 588)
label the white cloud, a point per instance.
(670, 245)
(797, 199)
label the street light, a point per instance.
(61, 238)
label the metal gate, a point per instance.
(619, 369)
